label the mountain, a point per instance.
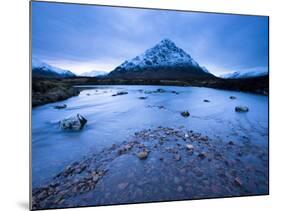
(246, 74)
(205, 70)
(163, 61)
(94, 73)
(44, 70)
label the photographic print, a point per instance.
(135, 105)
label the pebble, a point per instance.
(189, 147)
(142, 155)
(238, 181)
(198, 172)
(230, 143)
(123, 185)
(202, 155)
(177, 157)
(176, 180)
(180, 189)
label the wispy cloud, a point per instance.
(82, 38)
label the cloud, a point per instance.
(83, 38)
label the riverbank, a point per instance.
(51, 90)
(48, 91)
(159, 164)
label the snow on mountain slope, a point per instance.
(205, 70)
(42, 68)
(163, 61)
(165, 53)
(246, 74)
(94, 73)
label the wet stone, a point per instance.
(120, 93)
(189, 147)
(179, 188)
(185, 114)
(177, 157)
(123, 185)
(142, 155)
(60, 106)
(241, 109)
(238, 182)
(42, 195)
(202, 155)
(198, 172)
(176, 180)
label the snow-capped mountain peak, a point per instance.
(250, 73)
(165, 53)
(44, 68)
(94, 73)
(164, 61)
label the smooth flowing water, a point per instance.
(113, 119)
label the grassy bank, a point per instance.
(48, 90)
(52, 90)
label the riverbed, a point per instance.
(113, 120)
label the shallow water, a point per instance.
(114, 119)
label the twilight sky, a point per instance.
(84, 38)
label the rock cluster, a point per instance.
(188, 164)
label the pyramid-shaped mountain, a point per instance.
(163, 61)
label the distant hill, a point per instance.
(163, 61)
(43, 70)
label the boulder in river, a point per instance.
(160, 90)
(73, 123)
(142, 98)
(175, 92)
(185, 114)
(206, 101)
(120, 93)
(60, 106)
(241, 109)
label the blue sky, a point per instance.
(84, 38)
